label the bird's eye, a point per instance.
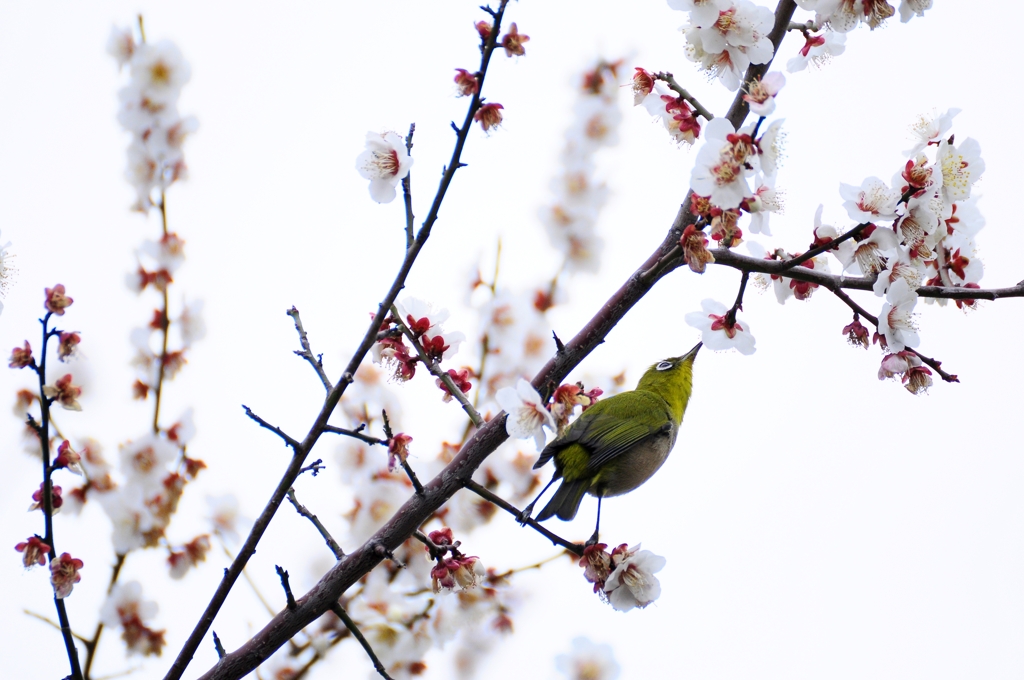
(664, 365)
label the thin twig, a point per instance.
(817, 250)
(407, 192)
(340, 612)
(306, 352)
(273, 428)
(302, 510)
(403, 460)
(738, 305)
(283, 575)
(218, 646)
(483, 492)
(356, 434)
(669, 80)
(730, 258)
(51, 622)
(435, 370)
(934, 363)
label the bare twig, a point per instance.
(218, 646)
(306, 352)
(356, 434)
(340, 612)
(483, 492)
(273, 428)
(402, 460)
(286, 584)
(302, 510)
(407, 192)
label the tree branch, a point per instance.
(306, 352)
(334, 396)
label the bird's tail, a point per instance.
(566, 500)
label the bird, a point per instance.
(618, 443)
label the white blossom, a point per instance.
(632, 583)
(385, 162)
(527, 415)
(716, 333)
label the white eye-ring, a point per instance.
(664, 365)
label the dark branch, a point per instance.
(340, 612)
(483, 492)
(302, 510)
(273, 428)
(283, 575)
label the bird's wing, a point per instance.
(608, 436)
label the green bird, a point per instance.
(618, 443)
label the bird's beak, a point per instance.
(692, 354)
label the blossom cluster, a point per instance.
(425, 325)
(571, 218)
(724, 37)
(149, 111)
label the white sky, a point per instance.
(817, 522)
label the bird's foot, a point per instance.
(524, 515)
(591, 541)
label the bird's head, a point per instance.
(672, 379)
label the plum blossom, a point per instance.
(64, 574)
(818, 50)
(224, 515)
(149, 111)
(385, 162)
(769, 148)
(675, 114)
(527, 415)
(872, 201)
(65, 393)
(896, 321)
(587, 660)
(765, 201)
(702, 12)
(513, 41)
(718, 331)
(57, 300)
(871, 253)
(913, 374)
(761, 93)
(913, 8)
(720, 169)
(632, 582)
(726, 43)
(126, 609)
(962, 166)
(929, 129)
(21, 357)
(643, 84)
(426, 323)
(34, 551)
(489, 116)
